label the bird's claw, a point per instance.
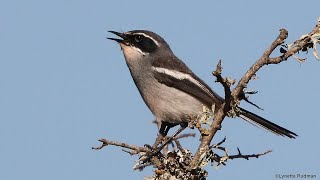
(148, 155)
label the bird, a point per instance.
(172, 92)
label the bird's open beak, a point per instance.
(122, 35)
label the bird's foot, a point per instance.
(156, 148)
(153, 152)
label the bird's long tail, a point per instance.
(262, 122)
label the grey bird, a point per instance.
(169, 88)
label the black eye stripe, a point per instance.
(144, 43)
(138, 38)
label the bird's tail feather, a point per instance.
(262, 122)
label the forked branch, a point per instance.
(233, 100)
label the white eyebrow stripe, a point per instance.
(145, 35)
(181, 76)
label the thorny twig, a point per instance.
(221, 160)
(242, 96)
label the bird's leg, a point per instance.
(182, 127)
(163, 131)
(162, 134)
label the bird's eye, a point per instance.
(138, 38)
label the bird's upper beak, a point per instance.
(122, 35)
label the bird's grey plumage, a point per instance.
(169, 88)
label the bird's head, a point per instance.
(141, 44)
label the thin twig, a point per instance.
(179, 146)
(239, 155)
(180, 136)
(223, 159)
(106, 142)
(214, 157)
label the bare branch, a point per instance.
(223, 159)
(184, 136)
(265, 59)
(239, 155)
(131, 152)
(226, 83)
(213, 156)
(243, 96)
(106, 142)
(218, 144)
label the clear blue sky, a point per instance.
(63, 85)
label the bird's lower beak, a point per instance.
(122, 35)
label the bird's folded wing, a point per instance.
(187, 83)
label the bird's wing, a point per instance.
(179, 76)
(182, 78)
